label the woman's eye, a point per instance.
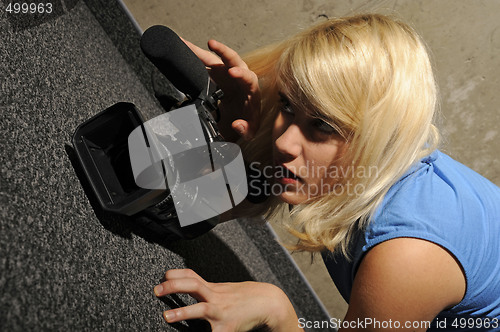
(285, 106)
(324, 127)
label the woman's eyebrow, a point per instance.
(316, 115)
(283, 96)
(323, 117)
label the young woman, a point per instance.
(343, 113)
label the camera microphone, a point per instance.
(175, 60)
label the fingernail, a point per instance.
(169, 315)
(158, 289)
(236, 70)
(240, 129)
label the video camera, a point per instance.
(175, 173)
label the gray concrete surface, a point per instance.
(463, 36)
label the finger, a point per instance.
(229, 56)
(244, 129)
(191, 286)
(200, 310)
(240, 126)
(182, 274)
(246, 78)
(208, 58)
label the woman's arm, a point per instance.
(229, 307)
(405, 281)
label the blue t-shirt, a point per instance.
(442, 201)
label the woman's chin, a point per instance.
(292, 198)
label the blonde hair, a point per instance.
(372, 76)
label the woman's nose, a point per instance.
(289, 143)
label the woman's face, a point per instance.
(306, 152)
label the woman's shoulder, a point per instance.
(406, 279)
(448, 204)
(442, 192)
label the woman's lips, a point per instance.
(284, 175)
(287, 180)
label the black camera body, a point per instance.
(101, 143)
(101, 146)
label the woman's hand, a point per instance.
(240, 106)
(229, 306)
